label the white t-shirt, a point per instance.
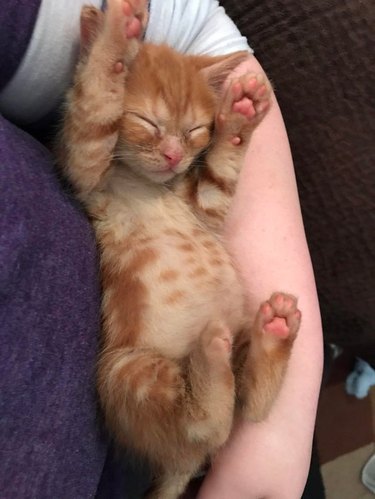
(190, 26)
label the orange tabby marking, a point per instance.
(169, 275)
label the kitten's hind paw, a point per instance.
(278, 320)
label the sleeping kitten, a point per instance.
(153, 147)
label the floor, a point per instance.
(345, 434)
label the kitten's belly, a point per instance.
(191, 283)
(177, 277)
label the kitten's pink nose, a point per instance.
(173, 157)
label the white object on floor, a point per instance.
(360, 380)
(368, 474)
(336, 350)
(342, 475)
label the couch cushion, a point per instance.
(319, 55)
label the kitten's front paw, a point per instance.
(136, 14)
(124, 24)
(245, 103)
(278, 321)
(126, 19)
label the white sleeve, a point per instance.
(190, 26)
(47, 66)
(194, 27)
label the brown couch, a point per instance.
(320, 56)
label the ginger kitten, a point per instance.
(153, 147)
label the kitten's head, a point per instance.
(169, 110)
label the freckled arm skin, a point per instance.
(265, 233)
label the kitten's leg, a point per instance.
(95, 103)
(174, 415)
(274, 331)
(211, 381)
(245, 103)
(208, 407)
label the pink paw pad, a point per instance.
(119, 67)
(280, 316)
(244, 105)
(133, 24)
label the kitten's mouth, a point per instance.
(167, 169)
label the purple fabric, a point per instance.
(17, 19)
(50, 443)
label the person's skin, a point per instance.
(270, 460)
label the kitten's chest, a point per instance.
(131, 206)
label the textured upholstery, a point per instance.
(50, 444)
(320, 57)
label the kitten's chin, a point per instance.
(159, 177)
(164, 174)
(156, 176)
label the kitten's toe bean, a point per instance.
(280, 317)
(256, 88)
(278, 327)
(125, 19)
(136, 11)
(244, 104)
(133, 28)
(118, 67)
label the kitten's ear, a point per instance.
(92, 21)
(216, 69)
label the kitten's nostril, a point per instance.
(173, 158)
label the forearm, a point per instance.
(266, 236)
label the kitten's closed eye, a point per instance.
(145, 121)
(194, 131)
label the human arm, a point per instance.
(266, 236)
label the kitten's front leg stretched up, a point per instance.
(245, 102)
(95, 102)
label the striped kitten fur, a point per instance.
(153, 147)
